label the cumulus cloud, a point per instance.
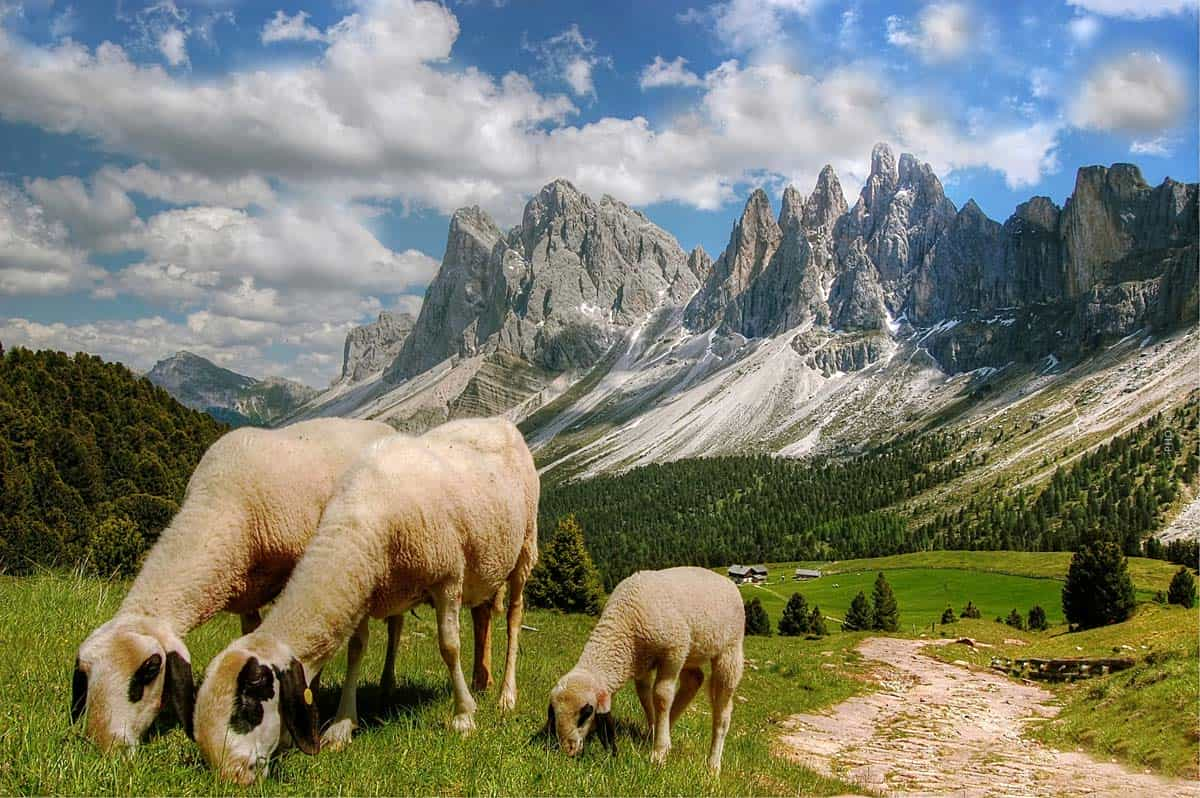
(1084, 29)
(754, 27)
(282, 28)
(177, 187)
(96, 215)
(942, 33)
(1135, 9)
(1138, 93)
(661, 72)
(172, 43)
(35, 254)
(1159, 146)
(570, 57)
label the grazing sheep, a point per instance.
(251, 506)
(448, 518)
(658, 629)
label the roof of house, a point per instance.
(739, 570)
(758, 569)
(807, 572)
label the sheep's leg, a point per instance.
(481, 619)
(665, 683)
(645, 694)
(346, 721)
(516, 611)
(689, 683)
(448, 602)
(250, 621)
(726, 673)
(387, 682)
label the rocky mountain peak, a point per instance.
(826, 203)
(1041, 212)
(883, 162)
(699, 263)
(373, 346)
(791, 210)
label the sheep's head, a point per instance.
(254, 697)
(125, 673)
(578, 704)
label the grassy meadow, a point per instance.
(1144, 716)
(405, 747)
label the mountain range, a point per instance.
(233, 398)
(818, 327)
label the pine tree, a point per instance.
(1098, 590)
(794, 620)
(885, 616)
(757, 622)
(816, 623)
(1183, 589)
(115, 547)
(948, 615)
(859, 617)
(565, 578)
(971, 611)
(1037, 619)
(1015, 620)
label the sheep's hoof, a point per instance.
(714, 765)
(659, 756)
(464, 724)
(338, 735)
(481, 683)
(508, 700)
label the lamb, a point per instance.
(251, 506)
(658, 629)
(448, 518)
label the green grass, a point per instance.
(922, 593)
(1144, 716)
(405, 748)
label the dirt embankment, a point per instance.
(939, 729)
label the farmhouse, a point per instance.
(803, 574)
(748, 573)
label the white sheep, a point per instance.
(251, 506)
(659, 628)
(448, 518)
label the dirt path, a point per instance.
(936, 729)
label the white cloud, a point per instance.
(943, 32)
(1042, 83)
(1159, 146)
(172, 43)
(64, 23)
(1084, 29)
(1139, 93)
(668, 73)
(571, 57)
(1135, 9)
(754, 27)
(35, 255)
(282, 28)
(97, 215)
(183, 188)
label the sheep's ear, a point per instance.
(79, 688)
(607, 731)
(179, 690)
(298, 706)
(603, 702)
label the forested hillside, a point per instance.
(93, 460)
(740, 509)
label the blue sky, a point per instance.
(250, 179)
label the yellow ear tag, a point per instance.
(307, 696)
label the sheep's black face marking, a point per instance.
(146, 673)
(584, 714)
(255, 684)
(79, 688)
(179, 690)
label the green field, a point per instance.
(405, 748)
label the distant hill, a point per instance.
(232, 398)
(93, 460)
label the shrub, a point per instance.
(565, 578)
(116, 546)
(948, 615)
(794, 620)
(1098, 591)
(971, 611)
(1015, 620)
(757, 622)
(1037, 619)
(886, 615)
(859, 617)
(1183, 589)
(816, 623)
